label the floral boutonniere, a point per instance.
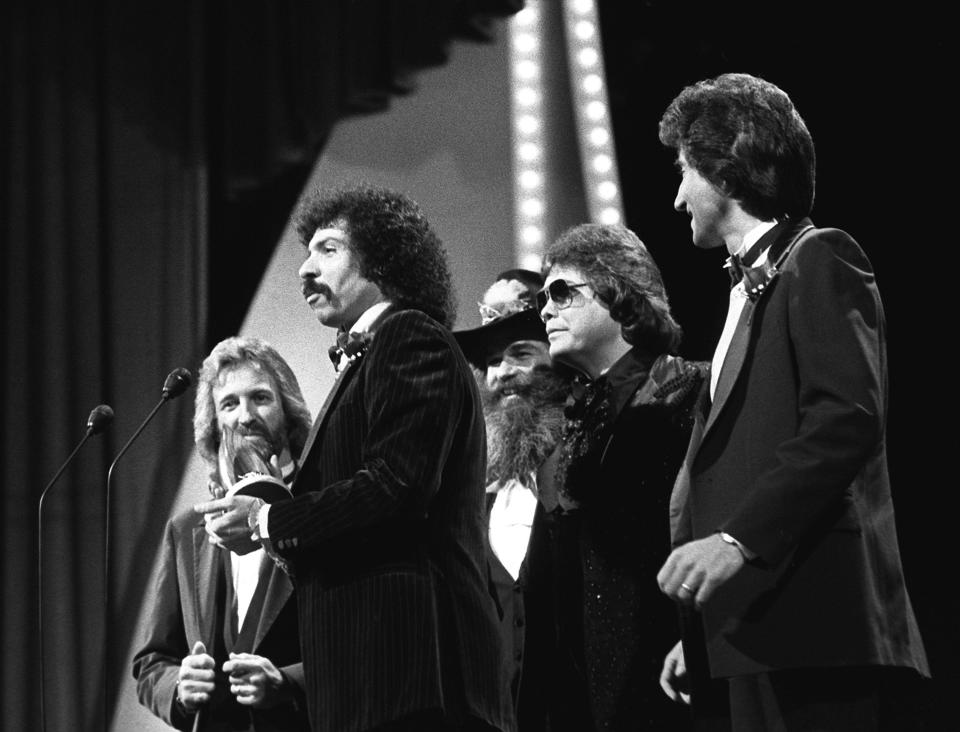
(757, 279)
(349, 345)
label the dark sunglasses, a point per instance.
(560, 291)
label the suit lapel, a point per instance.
(328, 403)
(205, 568)
(732, 363)
(278, 591)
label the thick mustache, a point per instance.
(520, 388)
(253, 431)
(310, 287)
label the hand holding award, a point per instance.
(244, 471)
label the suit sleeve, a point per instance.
(412, 394)
(836, 332)
(156, 666)
(294, 676)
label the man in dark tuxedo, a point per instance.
(785, 549)
(384, 533)
(523, 397)
(221, 650)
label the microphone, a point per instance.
(177, 382)
(174, 385)
(99, 419)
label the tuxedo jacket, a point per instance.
(384, 535)
(193, 601)
(790, 459)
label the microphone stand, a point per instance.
(100, 417)
(176, 383)
(106, 565)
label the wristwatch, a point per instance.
(253, 518)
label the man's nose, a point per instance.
(308, 269)
(497, 373)
(245, 413)
(506, 370)
(548, 310)
(678, 202)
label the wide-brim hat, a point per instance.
(480, 343)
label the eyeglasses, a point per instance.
(560, 291)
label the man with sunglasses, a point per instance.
(782, 516)
(523, 399)
(597, 627)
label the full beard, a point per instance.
(522, 431)
(246, 450)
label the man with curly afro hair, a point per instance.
(384, 533)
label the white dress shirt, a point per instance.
(511, 520)
(246, 567)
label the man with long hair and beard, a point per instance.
(221, 648)
(523, 397)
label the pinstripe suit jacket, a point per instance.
(384, 536)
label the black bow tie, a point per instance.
(348, 344)
(737, 265)
(755, 279)
(734, 267)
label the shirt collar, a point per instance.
(369, 317)
(624, 376)
(754, 235)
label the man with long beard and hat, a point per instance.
(523, 398)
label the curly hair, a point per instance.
(618, 267)
(233, 352)
(744, 136)
(394, 244)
